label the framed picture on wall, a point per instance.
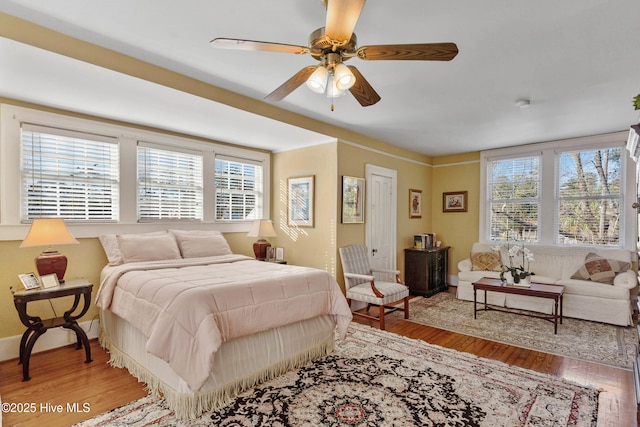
(455, 201)
(300, 201)
(352, 200)
(415, 203)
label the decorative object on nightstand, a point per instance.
(261, 228)
(37, 326)
(49, 232)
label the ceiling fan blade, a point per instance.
(292, 84)
(419, 52)
(239, 44)
(342, 16)
(362, 91)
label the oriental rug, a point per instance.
(376, 378)
(596, 342)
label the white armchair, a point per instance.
(365, 284)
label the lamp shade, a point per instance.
(48, 232)
(344, 77)
(332, 90)
(262, 228)
(317, 81)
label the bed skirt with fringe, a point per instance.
(239, 365)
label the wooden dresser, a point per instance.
(426, 270)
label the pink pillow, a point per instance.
(140, 248)
(195, 244)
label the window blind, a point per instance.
(170, 183)
(239, 188)
(68, 174)
(514, 199)
(588, 197)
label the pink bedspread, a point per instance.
(189, 307)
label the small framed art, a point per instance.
(49, 280)
(415, 203)
(29, 281)
(300, 201)
(352, 200)
(455, 201)
(279, 254)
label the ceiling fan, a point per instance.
(332, 45)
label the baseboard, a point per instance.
(53, 338)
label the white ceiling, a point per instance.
(578, 61)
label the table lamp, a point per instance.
(261, 228)
(49, 232)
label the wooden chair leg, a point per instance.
(406, 307)
(382, 317)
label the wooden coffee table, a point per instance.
(540, 290)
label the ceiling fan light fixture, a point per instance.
(317, 81)
(344, 78)
(333, 91)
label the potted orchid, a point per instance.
(518, 272)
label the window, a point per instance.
(116, 178)
(514, 204)
(568, 193)
(239, 188)
(588, 197)
(169, 184)
(68, 174)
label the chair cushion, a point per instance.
(392, 292)
(355, 260)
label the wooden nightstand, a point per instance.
(37, 326)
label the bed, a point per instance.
(199, 325)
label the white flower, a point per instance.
(496, 248)
(514, 251)
(528, 255)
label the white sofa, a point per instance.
(583, 299)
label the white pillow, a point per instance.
(138, 248)
(195, 244)
(112, 250)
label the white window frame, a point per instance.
(66, 165)
(548, 173)
(12, 229)
(259, 212)
(195, 175)
(532, 200)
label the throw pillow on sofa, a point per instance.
(599, 269)
(485, 261)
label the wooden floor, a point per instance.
(59, 377)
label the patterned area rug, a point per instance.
(376, 378)
(579, 339)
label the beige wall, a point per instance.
(310, 246)
(414, 172)
(459, 230)
(85, 260)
